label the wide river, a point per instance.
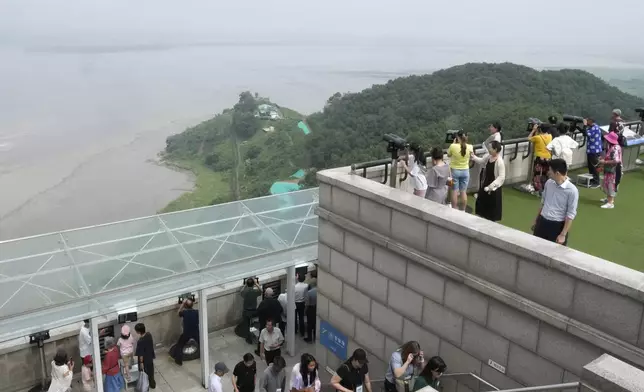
(81, 127)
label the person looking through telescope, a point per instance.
(414, 165)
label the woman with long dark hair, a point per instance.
(459, 153)
(404, 364)
(414, 165)
(304, 376)
(431, 374)
(489, 199)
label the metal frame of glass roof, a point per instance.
(55, 279)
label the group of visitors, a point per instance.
(304, 375)
(272, 314)
(435, 182)
(407, 371)
(608, 159)
(553, 153)
(115, 352)
(603, 153)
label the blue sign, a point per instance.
(334, 340)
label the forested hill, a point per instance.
(469, 97)
(241, 152)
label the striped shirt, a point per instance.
(559, 201)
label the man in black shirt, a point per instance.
(145, 353)
(190, 318)
(353, 375)
(244, 374)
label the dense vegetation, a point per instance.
(469, 96)
(349, 129)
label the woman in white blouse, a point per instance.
(61, 372)
(304, 376)
(414, 165)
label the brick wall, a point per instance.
(394, 267)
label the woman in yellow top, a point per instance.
(542, 155)
(459, 163)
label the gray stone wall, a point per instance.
(395, 267)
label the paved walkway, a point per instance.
(224, 346)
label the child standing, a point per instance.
(126, 346)
(87, 376)
(610, 162)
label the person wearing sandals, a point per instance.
(489, 200)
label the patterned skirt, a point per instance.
(610, 185)
(540, 173)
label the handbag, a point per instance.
(406, 384)
(142, 384)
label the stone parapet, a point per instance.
(400, 268)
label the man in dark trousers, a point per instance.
(145, 353)
(190, 318)
(250, 292)
(301, 289)
(311, 309)
(594, 143)
(268, 309)
(558, 205)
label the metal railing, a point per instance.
(474, 377)
(555, 387)
(378, 385)
(387, 162)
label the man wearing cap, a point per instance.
(215, 378)
(353, 375)
(593, 149)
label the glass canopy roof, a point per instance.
(55, 279)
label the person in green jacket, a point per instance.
(431, 374)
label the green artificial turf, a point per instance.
(616, 235)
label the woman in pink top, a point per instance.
(126, 346)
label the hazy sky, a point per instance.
(493, 22)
